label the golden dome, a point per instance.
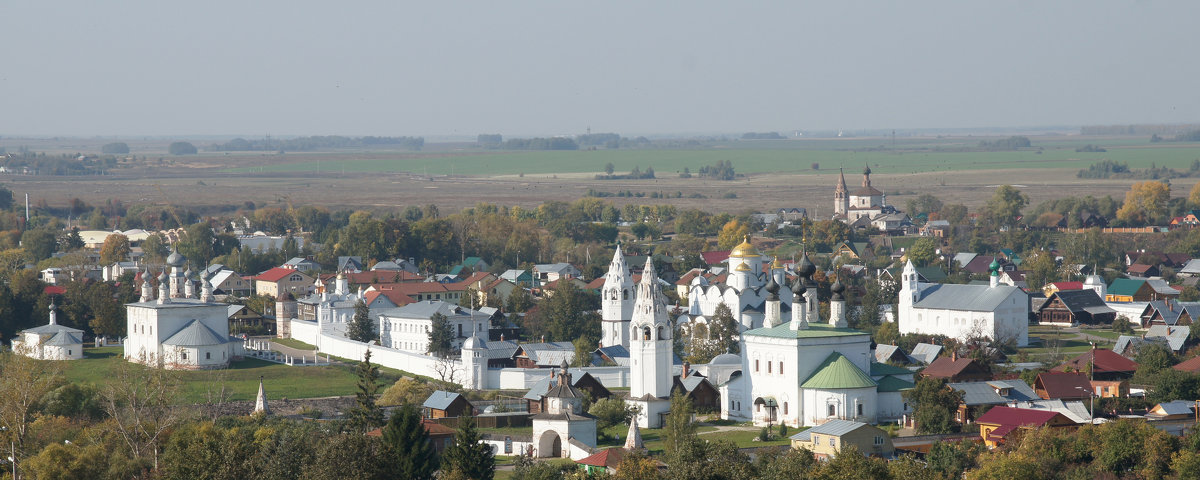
(776, 263)
(745, 249)
(742, 268)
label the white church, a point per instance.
(51, 341)
(743, 291)
(805, 372)
(178, 330)
(997, 311)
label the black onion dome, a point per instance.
(836, 289)
(805, 268)
(772, 288)
(798, 288)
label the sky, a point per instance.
(523, 68)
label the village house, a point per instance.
(1000, 423)
(982, 395)
(278, 280)
(442, 404)
(1110, 371)
(1075, 307)
(827, 439)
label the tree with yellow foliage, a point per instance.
(1145, 203)
(732, 234)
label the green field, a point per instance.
(281, 381)
(749, 157)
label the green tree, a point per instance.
(923, 252)
(115, 148)
(181, 148)
(362, 328)
(407, 445)
(366, 414)
(39, 243)
(611, 411)
(468, 457)
(1005, 206)
(924, 203)
(951, 459)
(608, 168)
(71, 241)
(678, 428)
(440, 335)
(519, 301)
(934, 405)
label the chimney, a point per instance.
(686, 367)
(543, 339)
(954, 355)
(501, 336)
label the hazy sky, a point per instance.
(300, 67)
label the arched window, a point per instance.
(625, 294)
(660, 333)
(785, 408)
(645, 333)
(832, 411)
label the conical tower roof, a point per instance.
(618, 271)
(633, 440)
(260, 403)
(649, 306)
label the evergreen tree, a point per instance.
(440, 335)
(366, 414)
(468, 457)
(362, 329)
(410, 452)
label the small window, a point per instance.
(860, 410)
(184, 355)
(878, 440)
(755, 365)
(832, 411)
(208, 355)
(785, 408)
(832, 442)
(768, 367)
(781, 368)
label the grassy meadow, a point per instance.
(754, 157)
(281, 381)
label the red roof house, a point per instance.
(1107, 364)
(1063, 385)
(999, 422)
(956, 370)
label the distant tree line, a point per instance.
(762, 136)
(1165, 129)
(1011, 143)
(307, 144)
(64, 164)
(635, 174)
(115, 148)
(540, 143)
(722, 170)
(1089, 148)
(1113, 169)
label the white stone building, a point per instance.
(743, 291)
(563, 429)
(996, 311)
(616, 303)
(803, 374)
(51, 341)
(406, 328)
(177, 330)
(650, 351)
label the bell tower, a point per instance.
(616, 305)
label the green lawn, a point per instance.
(1109, 334)
(281, 381)
(291, 342)
(794, 156)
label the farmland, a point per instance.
(776, 173)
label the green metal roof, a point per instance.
(878, 369)
(1125, 286)
(893, 384)
(814, 330)
(837, 371)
